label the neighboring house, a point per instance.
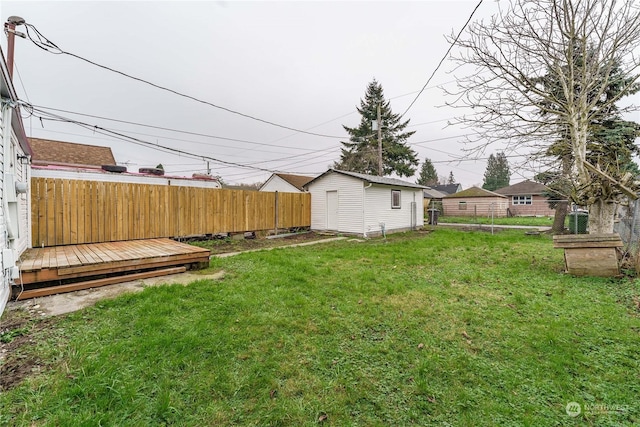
(15, 218)
(527, 199)
(366, 205)
(60, 153)
(447, 188)
(433, 198)
(91, 174)
(475, 201)
(286, 183)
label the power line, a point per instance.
(43, 109)
(137, 141)
(47, 45)
(122, 136)
(443, 58)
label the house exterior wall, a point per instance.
(350, 202)
(80, 174)
(22, 175)
(476, 206)
(539, 207)
(276, 183)
(5, 284)
(378, 209)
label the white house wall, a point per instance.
(125, 178)
(350, 207)
(22, 174)
(378, 209)
(276, 183)
(5, 285)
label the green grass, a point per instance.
(447, 328)
(541, 221)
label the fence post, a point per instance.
(633, 225)
(275, 214)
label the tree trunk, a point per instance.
(560, 215)
(601, 216)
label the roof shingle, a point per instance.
(297, 181)
(47, 151)
(372, 178)
(523, 188)
(474, 192)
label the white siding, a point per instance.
(275, 183)
(378, 209)
(23, 175)
(350, 208)
(122, 177)
(5, 287)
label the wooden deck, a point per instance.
(60, 263)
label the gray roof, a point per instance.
(527, 187)
(430, 193)
(447, 188)
(370, 178)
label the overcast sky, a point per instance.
(304, 65)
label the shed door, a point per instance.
(332, 210)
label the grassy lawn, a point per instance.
(447, 328)
(542, 221)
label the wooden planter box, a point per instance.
(590, 254)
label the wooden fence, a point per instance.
(68, 212)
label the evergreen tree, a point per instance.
(360, 154)
(497, 173)
(451, 179)
(428, 174)
(610, 143)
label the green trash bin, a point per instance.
(578, 221)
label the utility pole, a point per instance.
(10, 30)
(379, 143)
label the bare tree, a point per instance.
(513, 53)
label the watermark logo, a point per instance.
(573, 409)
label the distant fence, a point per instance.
(67, 212)
(628, 226)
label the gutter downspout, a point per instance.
(364, 209)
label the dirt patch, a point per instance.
(18, 359)
(252, 242)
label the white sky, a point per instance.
(301, 64)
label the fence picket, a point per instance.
(68, 212)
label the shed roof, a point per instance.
(527, 187)
(47, 151)
(370, 178)
(474, 192)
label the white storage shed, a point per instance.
(365, 205)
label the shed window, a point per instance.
(462, 206)
(521, 200)
(395, 199)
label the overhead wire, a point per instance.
(159, 147)
(47, 45)
(40, 108)
(138, 141)
(443, 58)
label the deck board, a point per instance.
(84, 260)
